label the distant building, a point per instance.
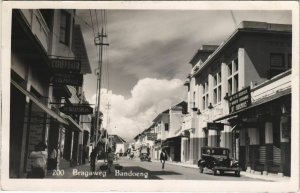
(120, 144)
(164, 133)
(239, 97)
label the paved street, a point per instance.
(135, 169)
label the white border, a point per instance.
(148, 185)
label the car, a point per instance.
(217, 159)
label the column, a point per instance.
(212, 138)
(269, 146)
(242, 67)
(191, 147)
(285, 133)
(253, 146)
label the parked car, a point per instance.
(217, 159)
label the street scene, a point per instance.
(150, 94)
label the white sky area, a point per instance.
(146, 63)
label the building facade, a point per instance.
(221, 86)
(38, 37)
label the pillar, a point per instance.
(212, 138)
(285, 133)
(191, 147)
(269, 146)
(253, 146)
(184, 149)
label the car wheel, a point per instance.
(237, 173)
(221, 172)
(214, 172)
(201, 169)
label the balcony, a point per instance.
(38, 26)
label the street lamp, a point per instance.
(210, 106)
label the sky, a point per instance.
(148, 56)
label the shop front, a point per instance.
(261, 134)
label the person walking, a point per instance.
(163, 158)
(38, 159)
(110, 160)
(52, 163)
(93, 159)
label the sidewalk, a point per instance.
(269, 177)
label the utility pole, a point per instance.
(107, 123)
(99, 42)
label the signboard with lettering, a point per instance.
(76, 109)
(65, 65)
(151, 136)
(239, 100)
(67, 79)
(215, 126)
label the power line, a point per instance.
(97, 21)
(92, 23)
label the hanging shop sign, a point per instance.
(151, 136)
(76, 109)
(215, 126)
(67, 79)
(239, 100)
(65, 65)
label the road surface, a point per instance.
(135, 169)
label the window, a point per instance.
(194, 99)
(230, 86)
(236, 83)
(65, 21)
(219, 93)
(205, 95)
(166, 127)
(229, 69)
(233, 78)
(236, 64)
(217, 88)
(215, 95)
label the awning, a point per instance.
(72, 124)
(40, 104)
(260, 102)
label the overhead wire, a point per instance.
(97, 22)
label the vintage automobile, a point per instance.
(144, 154)
(217, 159)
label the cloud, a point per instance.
(149, 97)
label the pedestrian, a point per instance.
(38, 159)
(163, 158)
(93, 157)
(110, 160)
(52, 162)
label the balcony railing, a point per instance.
(38, 26)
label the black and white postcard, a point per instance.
(150, 96)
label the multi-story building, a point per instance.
(222, 87)
(166, 126)
(38, 37)
(146, 138)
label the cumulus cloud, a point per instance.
(149, 97)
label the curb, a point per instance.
(243, 173)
